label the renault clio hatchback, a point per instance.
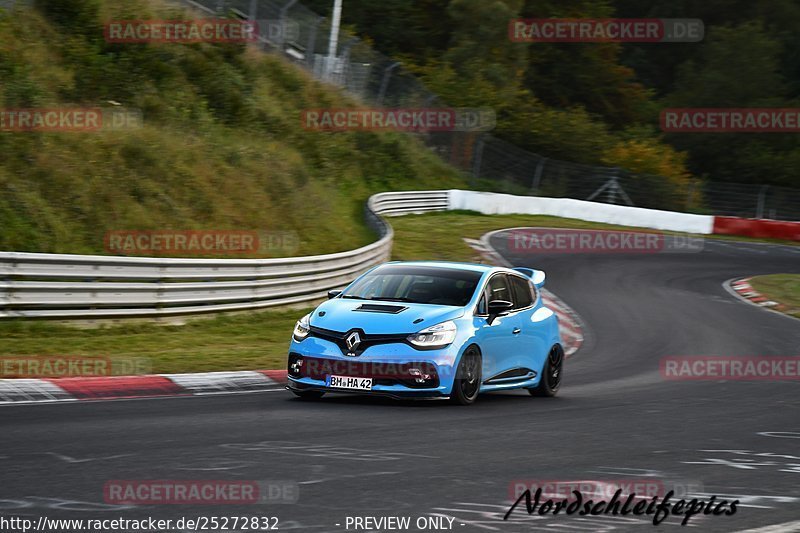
(430, 330)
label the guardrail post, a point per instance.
(7, 293)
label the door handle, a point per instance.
(516, 331)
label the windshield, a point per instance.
(416, 284)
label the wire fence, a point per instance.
(288, 27)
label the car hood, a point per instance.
(344, 314)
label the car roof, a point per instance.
(474, 267)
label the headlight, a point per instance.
(436, 336)
(302, 328)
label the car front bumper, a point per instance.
(396, 369)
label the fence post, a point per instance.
(387, 73)
(477, 160)
(762, 196)
(343, 73)
(312, 43)
(282, 20)
(537, 176)
(690, 196)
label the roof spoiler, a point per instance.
(537, 276)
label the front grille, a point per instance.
(367, 341)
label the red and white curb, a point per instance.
(18, 391)
(569, 321)
(742, 290)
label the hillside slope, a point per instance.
(221, 145)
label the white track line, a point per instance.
(786, 527)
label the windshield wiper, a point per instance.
(387, 299)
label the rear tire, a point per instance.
(467, 383)
(308, 395)
(551, 374)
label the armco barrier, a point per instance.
(100, 287)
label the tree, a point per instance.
(738, 67)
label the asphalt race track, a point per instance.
(615, 419)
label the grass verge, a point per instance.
(781, 288)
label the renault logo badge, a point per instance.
(352, 341)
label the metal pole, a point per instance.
(333, 42)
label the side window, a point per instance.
(498, 289)
(523, 296)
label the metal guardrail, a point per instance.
(82, 287)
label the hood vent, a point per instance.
(381, 308)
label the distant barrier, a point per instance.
(762, 229)
(504, 204)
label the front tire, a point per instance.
(467, 383)
(551, 374)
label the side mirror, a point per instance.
(333, 294)
(498, 308)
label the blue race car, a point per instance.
(430, 330)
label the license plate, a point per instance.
(348, 382)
